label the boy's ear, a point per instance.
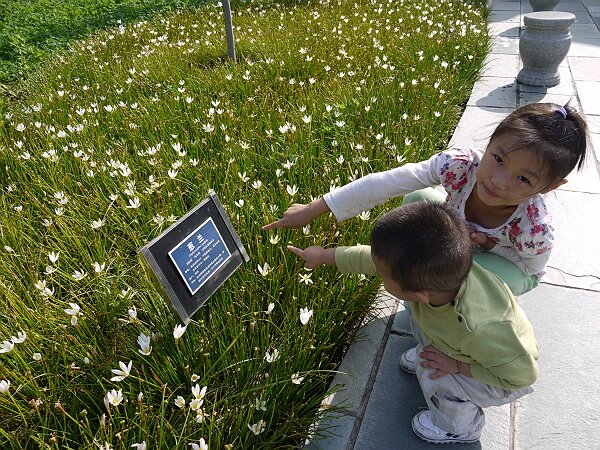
(553, 186)
(423, 296)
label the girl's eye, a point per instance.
(523, 179)
(498, 159)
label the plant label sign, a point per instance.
(190, 260)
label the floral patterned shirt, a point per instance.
(525, 239)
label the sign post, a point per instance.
(190, 260)
(229, 31)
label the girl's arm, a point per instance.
(377, 188)
(362, 194)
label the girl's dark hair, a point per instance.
(425, 245)
(559, 141)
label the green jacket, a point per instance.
(483, 326)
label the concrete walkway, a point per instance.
(379, 400)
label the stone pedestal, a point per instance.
(545, 42)
(543, 5)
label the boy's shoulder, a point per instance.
(484, 298)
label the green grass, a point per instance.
(116, 138)
(31, 31)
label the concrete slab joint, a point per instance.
(544, 44)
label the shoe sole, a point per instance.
(404, 367)
(448, 441)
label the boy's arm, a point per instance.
(501, 356)
(355, 259)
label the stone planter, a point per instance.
(543, 5)
(543, 45)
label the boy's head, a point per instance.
(421, 246)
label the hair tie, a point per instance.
(562, 111)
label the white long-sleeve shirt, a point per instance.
(525, 239)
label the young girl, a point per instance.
(498, 193)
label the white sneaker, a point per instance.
(408, 360)
(426, 430)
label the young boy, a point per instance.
(475, 347)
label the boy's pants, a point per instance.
(456, 401)
(513, 276)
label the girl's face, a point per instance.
(508, 177)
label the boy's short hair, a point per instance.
(425, 245)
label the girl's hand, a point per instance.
(299, 215)
(481, 239)
(314, 256)
(440, 362)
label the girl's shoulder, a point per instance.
(466, 156)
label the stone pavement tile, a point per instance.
(584, 69)
(526, 98)
(505, 45)
(507, 29)
(589, 94)
(505, 16)
(355, 369)
(564, 410)
(494, 92)
(585, 47)
(334, 431)
(564, 87)
(401, 323)
(570, 6)
(501, 65)
(397, 397)
(574, 260)
(477, 125)
(585, 30)
(506, 6)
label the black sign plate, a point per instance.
(190, 260)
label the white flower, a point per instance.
(4, 386)
(74, 311)
(407, 142)
(270, 308)
(306, 119)
(243, 177)
(198, 393)
(79, 275)
(365, 215)
(292, 190)
(97, 224)
(178, 331)
(123, 372)
(195, 378)
(6, 346)
(340, 123)
(37, 356)
(114, 397)
(201, 445)
(20, 338)
(98, 267)
(20, 127)
(264, 270)
(305, 315)
(260, 404)
(256, 184)
(134, 203)
(9, 249)
(297, 379)
(172, 173)
(141, 446)
(239, 203)
(257, 428)
(40, 284)
(272, 357)
(340, 159)
(53, 256)
(274, 239)
(179, 401)
(144, 343)
(196, 404)
(306, 278)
